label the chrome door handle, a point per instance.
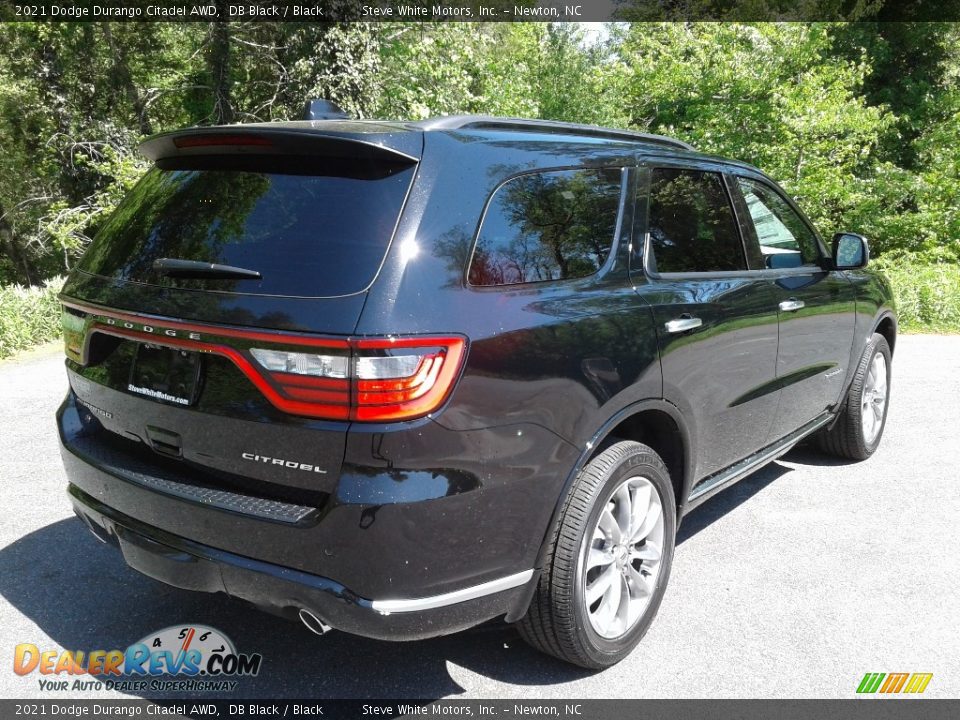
(683, 324)
(791, 305)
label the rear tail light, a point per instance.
(302, 363)
(383, 379)
(402, 378)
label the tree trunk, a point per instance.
(124, 79)
(10, 248)
(218, 64)
(54, 94)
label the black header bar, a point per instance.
(478, 10)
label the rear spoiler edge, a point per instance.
(262, 140)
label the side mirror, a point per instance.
(850, 251)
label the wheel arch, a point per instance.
(656, 423)
(886, 324)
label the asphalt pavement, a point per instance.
(792, 584)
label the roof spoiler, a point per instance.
(266, 140)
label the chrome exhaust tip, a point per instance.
(313, 623)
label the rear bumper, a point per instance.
(283, 591)
(382, 557)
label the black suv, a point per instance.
(399, 378)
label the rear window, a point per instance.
(311, 227)
(552, 225)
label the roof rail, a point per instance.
(490, 122)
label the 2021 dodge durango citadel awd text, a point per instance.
(400, 378)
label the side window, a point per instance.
(785, 240)
(691, 224)
(547, 226)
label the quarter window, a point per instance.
(691, 224)
(785, 240)
(547, 226)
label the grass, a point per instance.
(928, 296)
(29, 316)
(928, 300)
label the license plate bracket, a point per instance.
(165, 374)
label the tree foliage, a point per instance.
(860, 121)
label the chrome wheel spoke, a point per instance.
(881, 386)
(611, 600)
(868, 423)
(609, 527)
(650, 521)
(624, 610)
(641, 586)
(648, 552)
(599, 558)
(601, 585)
(623, 508)
(641, 505)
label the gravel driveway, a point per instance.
(793, 583)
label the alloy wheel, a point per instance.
(873, 402)
(621, 560)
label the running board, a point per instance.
(710, 486)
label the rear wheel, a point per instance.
(856, 433)
(608, 562)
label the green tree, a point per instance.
(770, 94)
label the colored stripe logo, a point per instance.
(894, 683)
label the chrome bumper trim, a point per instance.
(387, 607)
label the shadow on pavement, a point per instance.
(729, 500)
(82, 595)
(807, 454)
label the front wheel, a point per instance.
(856, 433)
(608, 561)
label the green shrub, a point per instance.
(928, 294)
(28, 315)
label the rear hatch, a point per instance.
(206, 326)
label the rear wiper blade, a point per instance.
(197, 269)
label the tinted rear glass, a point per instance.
(311, 227)
(692, 226)
(551, 225)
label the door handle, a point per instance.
(683, 324)
(791, 305)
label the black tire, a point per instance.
(846, 437)
(556, 622)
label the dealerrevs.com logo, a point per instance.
(181, 658)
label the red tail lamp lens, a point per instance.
(306, 383)
(404, 378)
(383, 379)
